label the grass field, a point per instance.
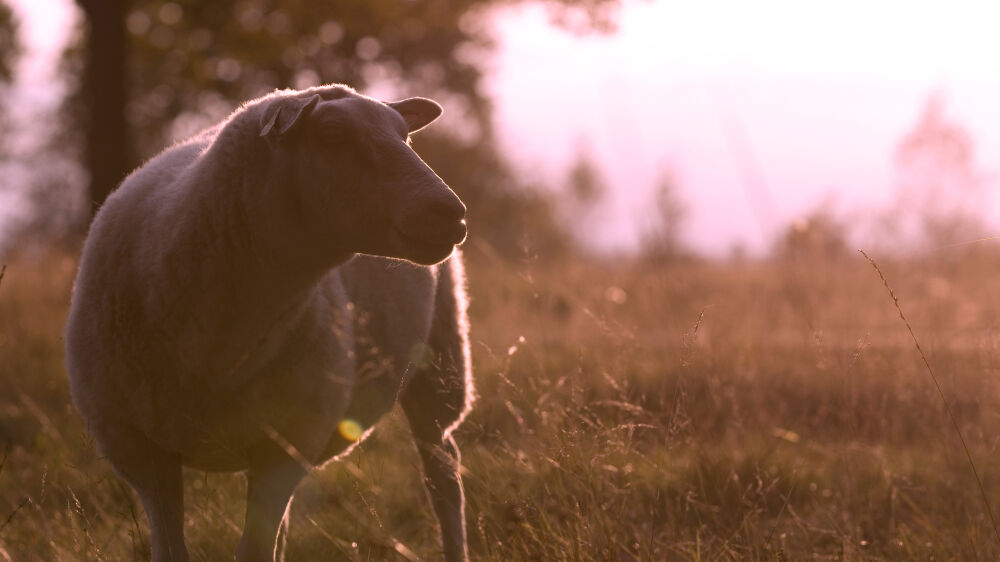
(753, 411)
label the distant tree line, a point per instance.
(145, 72)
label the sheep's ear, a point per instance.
(284, 113)
(417, 112)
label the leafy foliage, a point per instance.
(239, 49)
(506, 217)
(190, 62)
(661, 240)
(820, 235)
(940, 191)
(10, 50)
(195, 59)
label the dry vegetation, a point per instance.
(626, 412)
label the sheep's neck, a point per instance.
(251, 273)
(263, 223)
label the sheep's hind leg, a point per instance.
(156, 476)
(271, 480)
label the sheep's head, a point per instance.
(355, 178)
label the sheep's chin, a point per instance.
(428, 255)
(419, 251)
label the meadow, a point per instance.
(755, 410)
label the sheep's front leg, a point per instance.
(441, 460)
(156, 476)
(271, 480)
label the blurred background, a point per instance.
(679, 354)
(709, 129)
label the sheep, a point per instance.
(256, 297)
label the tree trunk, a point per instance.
(108, 152)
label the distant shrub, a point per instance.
(507, 218)
(818, 236)
(661, 238)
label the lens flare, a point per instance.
(420, 355)
(350, 429)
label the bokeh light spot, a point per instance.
(228, 69)
(137, 23)
(420, 355)
(331, 32)
(368, 48)
(350, 429)
(171, 13)
(306, 78)
(616, 295)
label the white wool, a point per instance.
(222, 300)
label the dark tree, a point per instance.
(10, 49)
(108, 153)
(169, 67)
(9, 46)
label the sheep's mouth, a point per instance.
(451, 234)
(429, 250)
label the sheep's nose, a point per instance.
(448, 219)
(439, 219)
(450, 209)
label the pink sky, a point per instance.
(822, 94)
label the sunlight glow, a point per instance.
(821, 92)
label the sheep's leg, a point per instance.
(434, 401)
(441, 460)
(156, 476)
(271, 479)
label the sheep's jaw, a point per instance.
(429, 248)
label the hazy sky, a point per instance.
(817, 95)
(821, 92)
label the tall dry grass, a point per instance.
(627, 412)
